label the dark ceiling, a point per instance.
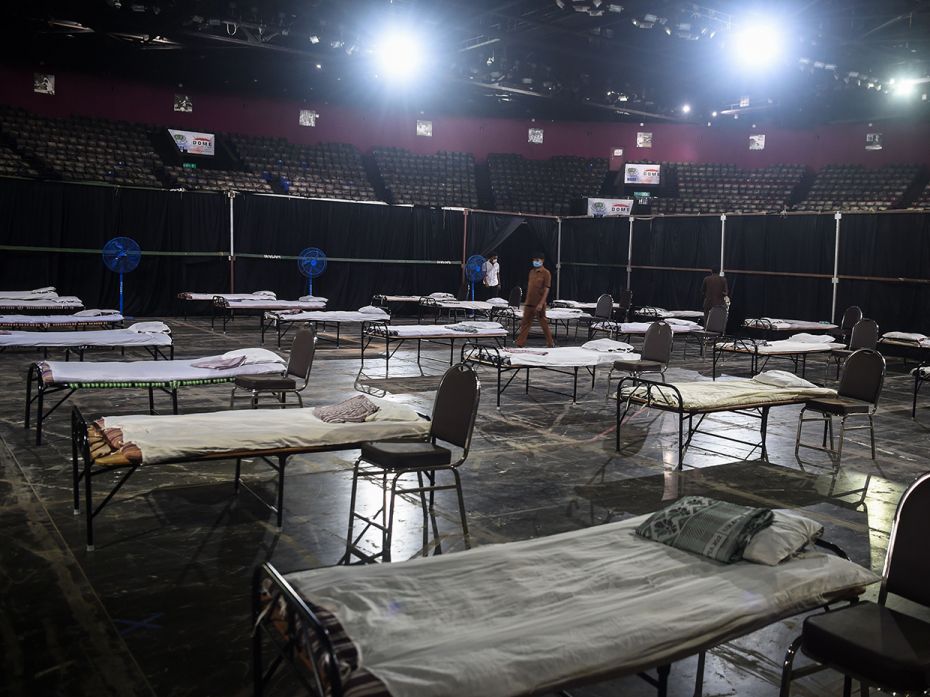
(582, 59)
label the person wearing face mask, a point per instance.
(534, 307)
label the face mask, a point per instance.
(536, 263)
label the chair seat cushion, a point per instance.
(401, 454)
(838, 406)
(640, 365)
(265, 382)
(873, 642)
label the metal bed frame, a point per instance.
(375, 330)
(381, 300)
(83, 468)
(303, 631)
(320, 325)
(485, 355)
(750, 347)
(8, 307)
(90, 324)
(684, 415)
(221, 307)
(79, 349)
(434, 305)
(919, 380)
(764, 329)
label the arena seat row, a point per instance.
(218, 180)
(543, 186)
(12, 165)
(855, 188)
(922, 202)
(444, 179)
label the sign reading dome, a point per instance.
(193, 143)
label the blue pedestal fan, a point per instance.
(474, 271)
(121, 255)
(312, 263)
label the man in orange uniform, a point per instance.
(534, 306)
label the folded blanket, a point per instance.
(45, 291)
(150, 328)
(497, 302)
(781, 378)
(265, 293)
(441, 296)
(811, 338)
(219, 363)
(608, 345)
(95, 313)
(680, 322)
(714, 529)
(372, 310)
(904, 336)
(465, 329)
(354, 410)
(312, 299)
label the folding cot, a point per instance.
(455, 308)
(79, 341)
(653, 313)
(771, 327)
(59, 303)
(568, 360)
(228, 308)
(687, 400)
(629, 329)
(188, 297)
(85, 319)
(46, 293)
(576, 305)
(285, 320)
(126, 443)
(491, 621)
(906, 345)
(445, 335)
(796, 349)
(47, 378)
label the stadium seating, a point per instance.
(922, 202)
(855, 188)
(202, 179)
(12, 165)
(543, 186)
(444, 179)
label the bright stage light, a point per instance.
(903, 87)
(757, 45)
(686, 109)
(399, 55)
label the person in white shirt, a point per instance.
(492, 277)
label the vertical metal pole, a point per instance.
(232, 243)
(723, 236)
(836, 264)
(464, 244)
(629, 254)
(558, 263)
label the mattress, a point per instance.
(102, 338)
(266, 304)
(328, 316)
(154, 439)
(721, 395)
(69, 302)
(566, 314)
(579, 305)
(400, 298)
(522, 617)
(257, 295)
(564, 357)
(419, 331)
(477, 305)
(910, 339)
(46, 293)
(145, 373)
(36, 321)
(641, 327)
(662, 313)
(774, 348)
(784, 325)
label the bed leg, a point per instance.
(498, 388)
(699, 676)
(29, 378)
(75, 477)
(527, 388)
(787, 668)
(40, 406)
(238, 475)
(151, 400)
(174, 401)
(764, 431)
(662, 686)
(681, 445)
(88, 502)
(282, 461)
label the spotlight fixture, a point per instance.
(904, 87)
(685, 108)
(399, 55)
(759, 45)
(714, 114)
(314, 39)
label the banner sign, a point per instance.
(193, 143)
(601, 207)
(641, 174)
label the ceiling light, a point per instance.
(686, 109)
(758, 45)
(904, 87)
(399, 55)
(714, 114)
(314, 39)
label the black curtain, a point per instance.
(794, 244)
(681, 251)
(62, 216)
(270, 225)
(892, 246)
(594, 256)
(532, 235)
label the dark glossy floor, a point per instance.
(162, 606)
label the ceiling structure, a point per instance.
(549, 59)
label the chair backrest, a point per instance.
(864, 335)
(716, 320)
(657, 344)
(516, 296)
(862, 377)
(852, 315)
(456, 405)
(626, 300)
(907, 564)
(605, 307)
(300, 362)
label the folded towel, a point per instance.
(150, 328)
(497, 302)
(714, 529)
(354, 410)
(441, 296)
(219, 363)
(464, 328)
(481, 326)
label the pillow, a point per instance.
(681, 322)
(150, 328)
(805, 338)
(254, 356)
(904, 336)
(265, 293)
(782, 378)
(607, 345)
(441, 296)
(788, 534)
(312, 299)
(372, 310)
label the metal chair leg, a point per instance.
(458, 490)
(787, 668)
(872, 435)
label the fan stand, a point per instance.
(310, 286)
(121, 292)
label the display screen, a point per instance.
(193, 143)
(641, 174)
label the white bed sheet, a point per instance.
(640, 327)
(62, 301)
(156, 372)
(478, 305)
(784, 325)
(20, 320)
(662, 313)
(720, 394)
(783, 346)
(578, 305)
(172, 437)
(103, 338)
(515, 618)
(266, 304)
(257, 295)
(37, 294)
(329, 316)
(419, 331)
(566, 314)
(567, 357)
